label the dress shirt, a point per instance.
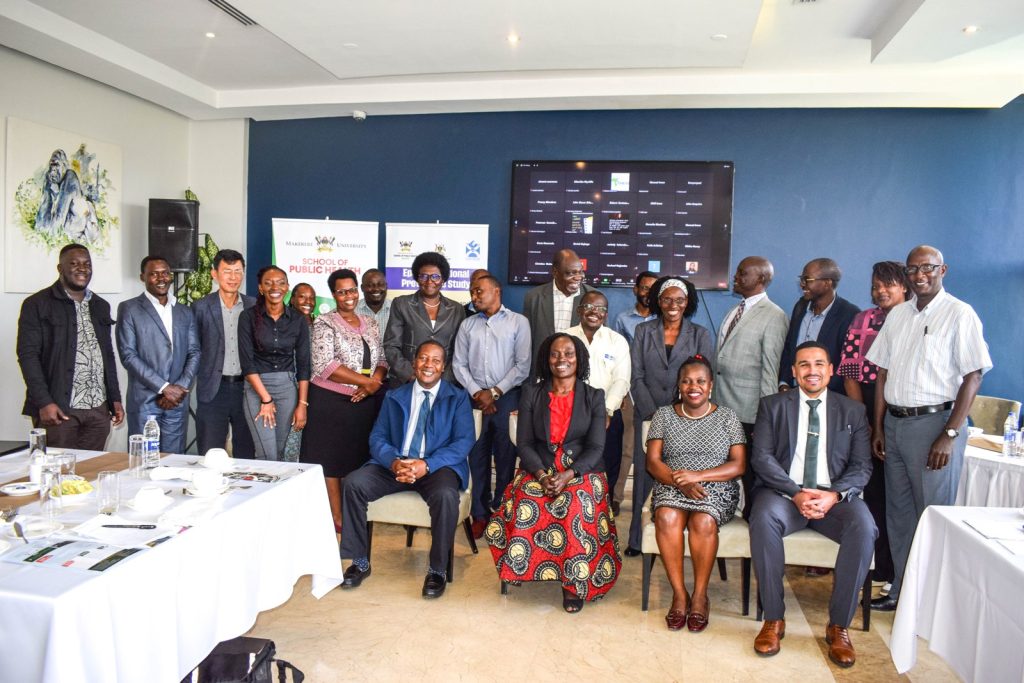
(796, 469)
(232, 365)
(926, 353)
(626, 322)
(282, 344)
(88, 389)
(810, 326)
(380, 316)
(748, 303)
(492, 352)
(609, 364)
(562, 308)
(414, 412)
(165, 313)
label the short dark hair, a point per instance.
(341, 274)
(70, 247)
(371, 271)
(228, 256)
(829, 270)
(891, 273)
(490, 278)
(695, 359)
(653, 297)
(582, 357)
(433, 342)
(151, 257)
(431, 258)
(646, 273)
(812, 344)
(593, 292)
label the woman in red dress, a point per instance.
(554, 522)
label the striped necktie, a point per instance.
(735, 319)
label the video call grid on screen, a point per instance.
(622, 217)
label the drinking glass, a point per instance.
(68, 462)
(36, 454)
(109, 492)
(51, 500)
(136, 456)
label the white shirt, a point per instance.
(562, 308)
(414, 414)
(796, 469)
(609, 364)
(926, 353)
(165, 313)
(748, 303)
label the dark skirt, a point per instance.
(337, 433)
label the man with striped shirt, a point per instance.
(931, 355)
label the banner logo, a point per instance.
(405, 247)
(324, 243)
(439, 248)
(473, 250)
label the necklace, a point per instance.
(429, 305)
(697, 417)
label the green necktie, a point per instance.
(811, 450)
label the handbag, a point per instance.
(244, 660)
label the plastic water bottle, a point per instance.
(36, 455)
(1010, 435)
(151, 443)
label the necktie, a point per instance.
(421, 427)
(811, 450)
(735, 319)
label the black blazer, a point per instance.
(409, 326)
(833, 332)
(210, 323)
(584, 440)
(848, 446)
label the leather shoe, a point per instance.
(886, 603)
(354, 576)
(479, 525)
(632, 552)
(433, 586)
(767, 643)
(675, 620)
(840, 649)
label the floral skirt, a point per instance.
(569, 538)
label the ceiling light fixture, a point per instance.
(719, 37)
(513, 39)
(211, 34)
(970, 30)
(350, 45)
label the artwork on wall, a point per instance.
(61, 188)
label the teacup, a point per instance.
(217, 458)
(207, 482)
(149, 498)
(975, 431)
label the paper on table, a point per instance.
(163, 473)
(127, 538)
(192, 512)
(1016, 547)
(998, 529)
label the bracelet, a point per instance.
(267, 403)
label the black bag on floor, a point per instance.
(244, 660)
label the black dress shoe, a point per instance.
(632, 552)
(886, 603)
(433, 586)
(354, 576)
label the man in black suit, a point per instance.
(820, 315)
(552, 307)
(811, 457)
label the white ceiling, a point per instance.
(310, 58)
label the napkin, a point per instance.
(127, 538)
(162, 473)
(191, 512)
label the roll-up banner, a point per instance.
(464, 245)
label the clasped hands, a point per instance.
(815, 503)
(408, 470)
(688, 483)
(554, 482)
(172, 396)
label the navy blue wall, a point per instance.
(859, 185)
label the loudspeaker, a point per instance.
(174, 232)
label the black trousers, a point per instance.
(747, 480)
(439, 489)
(613, 448)
(213, 418)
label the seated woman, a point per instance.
(553, 523)
(695, 454)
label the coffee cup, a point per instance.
(217, 458)
(207, 482)
(149, 498)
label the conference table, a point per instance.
(156, 614)
(989, 478)
(963, 591)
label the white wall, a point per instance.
(162, 154)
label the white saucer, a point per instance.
(34, 527)
(4, 545)
(20, 488)
(191, 491)
(164, 502)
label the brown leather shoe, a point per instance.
(767, 642)
(840, 649)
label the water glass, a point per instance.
(108, 485)
(51, 500)
(136, 456)
(67, 462)
(36, 454)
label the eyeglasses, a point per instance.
(347, 292)
(594, 307)
(429, 277)
(807, 280)
(668, 301)
(924, 268)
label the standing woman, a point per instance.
(273, 346)
(889, 287)
(348, 369)
(659, 348)
(303, 300)
(421, 316)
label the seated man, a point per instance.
(421, 443)
(811, 458)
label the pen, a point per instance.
(129, 526)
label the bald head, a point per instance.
(926, 250)
(753, 275)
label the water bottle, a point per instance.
(1010, 435)
(36, 455)
(151, 443)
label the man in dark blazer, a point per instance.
(159, 347)
(566, 290)
(420, 442)
(820, 315)
(220, 384)
(811, 458)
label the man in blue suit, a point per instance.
(420, 442)
(159, 347)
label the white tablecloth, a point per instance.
(990, 479)
(964, 594)
(156, 615)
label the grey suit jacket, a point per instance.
(210, 327)
(747, 363)
(539, 309)
(146, 351)
(409, 326)
(848, 446)
(653, 381)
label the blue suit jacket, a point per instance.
(210, 325)
(450, 432)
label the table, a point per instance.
(156, 615)
(964, 594)
(990, 479)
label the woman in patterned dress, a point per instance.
(695, 454)
(554, 523)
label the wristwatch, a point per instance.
(952, 433)
(495, 394)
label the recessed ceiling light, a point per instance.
(970, 30)
(513, 39)
(719, 36)
(211, 34)
(350, 45)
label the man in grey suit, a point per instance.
(812, 457)
(220, 384)
(749, 347)
(159, 347)
(552, 307)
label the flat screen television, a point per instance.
(622, 217)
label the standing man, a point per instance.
(473, 277)
(159, 347)
(220, 384)
(820, 315)
(812, 457)
(492, 358)
(931, 354)
(375, 302)
(67, 358)
(749, 347)
(552, 307)
(610, 370)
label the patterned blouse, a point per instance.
(863, 330)
(336, 343)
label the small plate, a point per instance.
(191, 491)
(4, 545)
(164, 502)
(20, 488)
(34, 527)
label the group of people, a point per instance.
(845, 421)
